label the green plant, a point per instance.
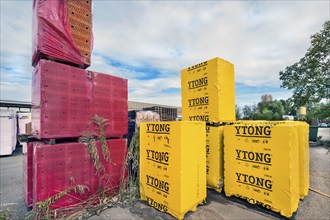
(309, 77)
(5, 214)
(101, 123)
(133, 164)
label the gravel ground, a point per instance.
(314, 206)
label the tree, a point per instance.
(268, 109)
(310, 77)
(238, 112)
(320, 111)
(324, 111)
(249, 112)
(289, 108)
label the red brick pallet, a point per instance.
(62, 30)
(65, 99)
(60, 166)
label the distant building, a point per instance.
(141, 105)
(26, 106)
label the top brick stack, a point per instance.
(208, 92)
(62, 31)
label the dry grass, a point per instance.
(133, 164)
(101, 123)
(43, 209)
(88, 139)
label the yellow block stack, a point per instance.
(172, 166)
(208, 92)
(208, 95)
(214, 157)
(266, 163)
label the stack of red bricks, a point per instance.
(65, 99)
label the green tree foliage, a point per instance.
(310, 77)
(249, 112)
(238, 112)
(319, 111)
(268, 109)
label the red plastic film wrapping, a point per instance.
(61, 101)
(62, 30)
(28, 175)
(65, 100)
(61, 166)
(109, 98)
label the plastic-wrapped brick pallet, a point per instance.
(303, 145)
(172, 166)
(109, 100)
(58, 167)
(214, 157)
(208, 92)
(303, 134)
(65, 100)
(62, 30)
(27, 176)
(61, 101)
(262, 165)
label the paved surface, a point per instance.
(218, 206)
(324, 133)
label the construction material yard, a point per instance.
(218, 206)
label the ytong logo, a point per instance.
(158, 128)
(199, 118)
(198, 101)
(253, 131)
(158, 184)
(198, 83)
(161, 207)
(258, 182)
(256, 157)
(158, 156)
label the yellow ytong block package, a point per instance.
(261, 164)
(214, 157)
(208, 92)
(303, 148)
(303, 134)
(173, 165)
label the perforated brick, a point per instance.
(58, 167)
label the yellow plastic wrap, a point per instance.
(303, 134)
(208, 92)
(303, 148)
(172, 165)
(214, 157)
(262, 165)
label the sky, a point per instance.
(150, 42)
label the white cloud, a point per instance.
(14, 91)
(260, 38)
